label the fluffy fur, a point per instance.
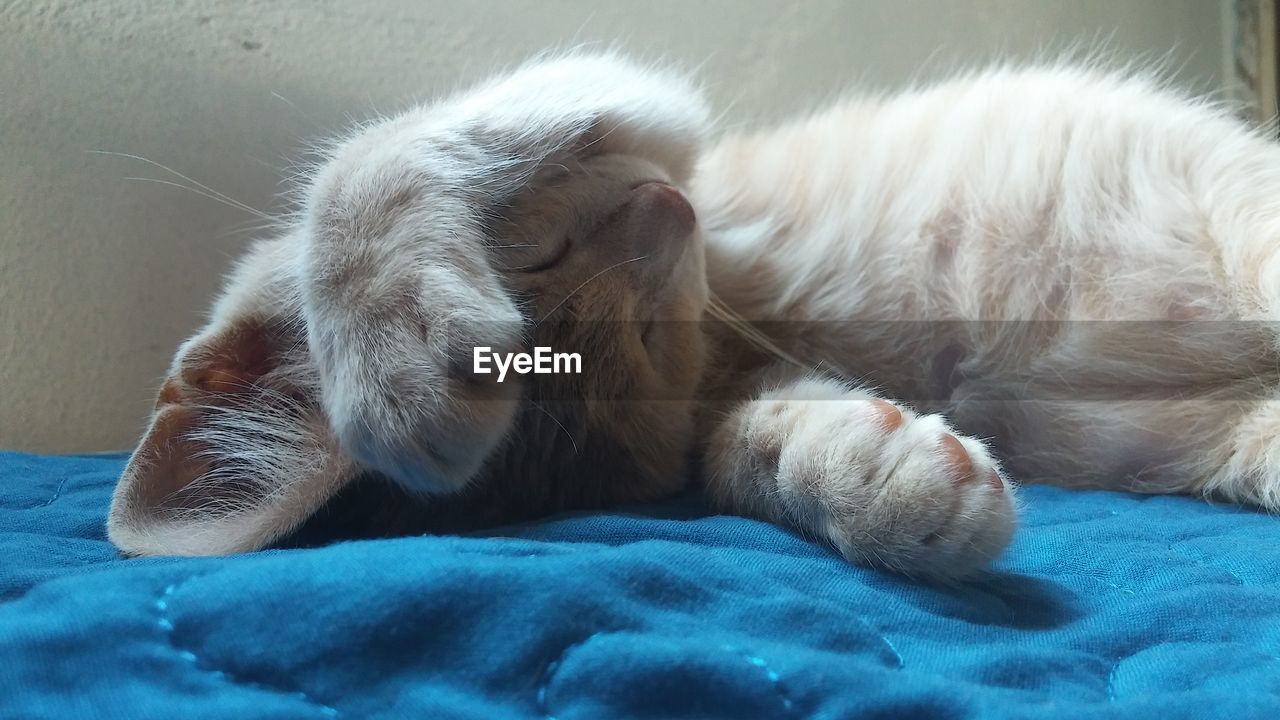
(1078, 266)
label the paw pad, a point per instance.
(957, 456)
(890, 417)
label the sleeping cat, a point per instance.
(837, 325)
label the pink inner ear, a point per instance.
(165, 456)
(231, 361)
(263, 455)
(211, 373)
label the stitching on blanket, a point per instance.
(774, 678)
(1205, 564)
(57, 493)
(1115, 667)
(1106, 582)
(1111, 678)
(165, 623)
(1114, 586)
(549, 674)
(897, 656)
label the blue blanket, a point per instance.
(1107, 605)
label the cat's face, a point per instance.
(606, 261)
(302, 381)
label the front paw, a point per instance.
(885, 486)
(414, 410)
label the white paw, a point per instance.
(402, 399)
(889, 487)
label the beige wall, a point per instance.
(101, 276)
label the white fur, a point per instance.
(1060, 195)
(973, 245)
(459, 159)
(819, 456)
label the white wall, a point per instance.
(101, 277)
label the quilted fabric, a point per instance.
(1107, 605)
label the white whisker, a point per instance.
(557, 422)
(584, 284)
(201, 193)
(223, 196)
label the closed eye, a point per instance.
(549, 262)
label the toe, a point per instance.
(958, 458)
(888, 416)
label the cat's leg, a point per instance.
(1245, 466)
(884, 485)
(1235, 453)
(398, 287)
(1245, 223)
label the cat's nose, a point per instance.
(664, 203)
(658, 215)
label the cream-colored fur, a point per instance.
(1077, 266)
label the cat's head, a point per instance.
(564, 227)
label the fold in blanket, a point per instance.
(1106, 605)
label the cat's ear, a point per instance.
(237, 453)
